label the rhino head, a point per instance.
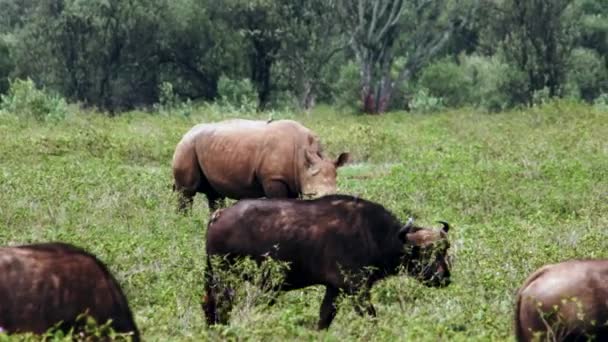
(319, 175)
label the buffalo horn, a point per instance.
(446, 226)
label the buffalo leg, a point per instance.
(364, 304)
(328, 307)
(275, 189)
(209, 300)
(219, 295)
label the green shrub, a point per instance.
(447, 80)
(346, 89)
(587, 76)
(424, 102)
(169, 101)
(495, 85)
(237, 95)
(24, 100)
(282, 100)
(601, 102)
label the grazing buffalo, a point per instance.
(251, 159)
(342, 242)
(51, 284)
(564, 302)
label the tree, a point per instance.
(258, 21)
(197, 46)
(6, 66)
(417, 30)
(310, 41)
(594, 26)
(538, 37)
(100, 53)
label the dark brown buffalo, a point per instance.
(323, 240)
(250, 159)
(42, 285)
(567, 301)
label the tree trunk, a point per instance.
(307, 98)
(261, 64)
(367, 92)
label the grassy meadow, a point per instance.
(520, 189)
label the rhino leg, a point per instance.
(187, 176)
(215, 200)
(184, 201)
(275, 189)
(328, 307)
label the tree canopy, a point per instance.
(371, 55)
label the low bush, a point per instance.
(24, 100)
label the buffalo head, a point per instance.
(426, 253)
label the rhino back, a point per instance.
(237, 156)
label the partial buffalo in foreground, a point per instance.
(342, 242)
(250, 159)
(567, 301)
(49, 285)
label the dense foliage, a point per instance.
(116, 55)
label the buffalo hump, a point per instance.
(43, 285)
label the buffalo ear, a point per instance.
(405, 229)
(446, 226)
(342, 159)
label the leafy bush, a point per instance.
(24, 100)
(587, 76)
(282, 100)
(346, 89)
(169, 101)
(447, 80)
(424, 102)
(541, 97)
(601, 102)
(495, 85)
(238, 95)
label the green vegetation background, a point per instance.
(521, 189)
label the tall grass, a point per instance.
(520, 188)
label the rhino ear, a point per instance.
(405, 229)
(342, 159)
(310, 156)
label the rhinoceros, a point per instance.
(250, 159)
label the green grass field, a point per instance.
(521, 189)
